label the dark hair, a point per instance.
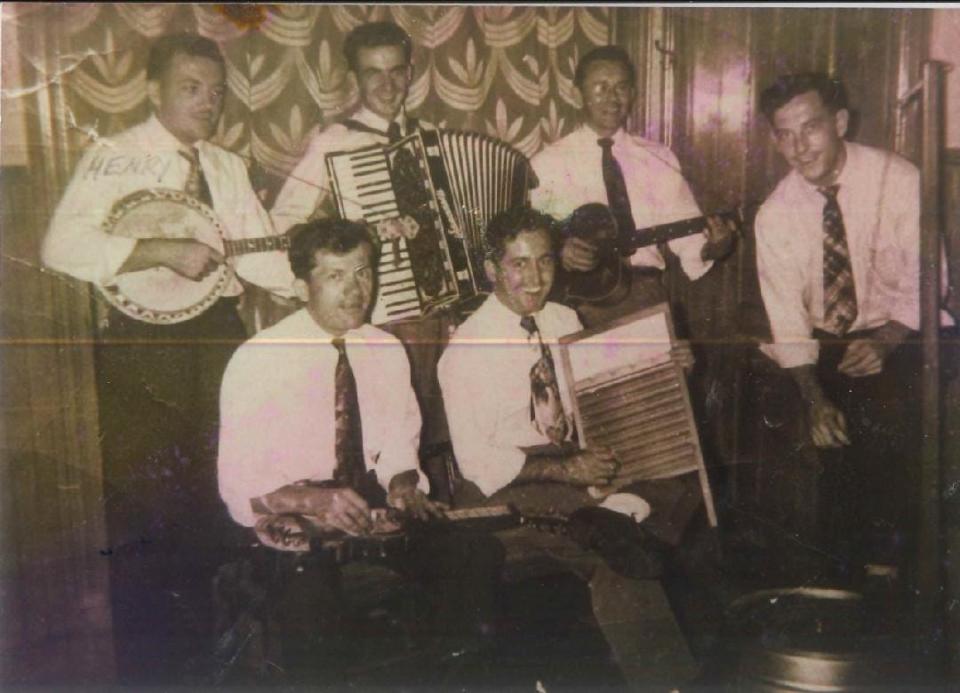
(338, 236)
(165, 48)
(612, 53)
(507, 225)
(375, 35)
(786, 87)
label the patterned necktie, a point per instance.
(617, 196)
(196, 185)
(351, 468)
(546, 407)
(839, 292)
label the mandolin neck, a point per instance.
(242, 246)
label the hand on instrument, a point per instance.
(720, 234)
(579, 255)
(682, 353)
(591, 467)
(193, 259)
(339, 508)
(828, 428)
(414, 502)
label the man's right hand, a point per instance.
(579, 255)
(590, 467)
(185, 256)
(325, 508)
(828, 427)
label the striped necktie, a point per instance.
(196, 184)
(839, 292)
(546, 407)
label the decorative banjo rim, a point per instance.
(156, 316)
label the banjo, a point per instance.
(159, 295)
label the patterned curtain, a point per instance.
(505, 70)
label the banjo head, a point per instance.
(159, 295)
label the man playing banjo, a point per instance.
(158, 384)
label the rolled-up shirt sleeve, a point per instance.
(305, 188)
(782, 287)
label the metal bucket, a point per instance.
(809, 639)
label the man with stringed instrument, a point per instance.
(171, 330)
(510, 422)
(638, 180)
(320, 428)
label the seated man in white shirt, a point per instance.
(158, 382)
(838, 260)
(319, 420)
(576, 170)
(508, 412)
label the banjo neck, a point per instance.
(242, 246)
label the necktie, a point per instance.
(839, 292)
(351, 468)
(617, 196)
(196, 185)
(393, 132)
(546, 407)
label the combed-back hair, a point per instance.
(786, 87)
(375, 35)
(505, 226)
(338, 236)
(166, 48)
(613, 54)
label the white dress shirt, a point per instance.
(570, 173)
(879, 198)
(146, 156)
(307, 186)
(277, 410)
(484, 374)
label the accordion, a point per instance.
(631, 397)
(450, 183)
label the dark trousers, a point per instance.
(159, 402)
(307, 596)
(868, 485)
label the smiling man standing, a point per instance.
(839, 266)
(158, 383)
(640, 180)
(379, 57)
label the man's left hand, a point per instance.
(720, 234)
(866, 356)
(412, 501)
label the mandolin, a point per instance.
(609, 282)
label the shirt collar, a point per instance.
(316, 332)
(368, 117)
(501, 314)
(588, 133)
(163, 140)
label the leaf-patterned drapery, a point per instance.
(503, 70)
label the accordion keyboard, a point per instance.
(364, 188)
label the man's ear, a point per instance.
(842, 122)
(153, 93)
(490, 267)
(302, 290)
